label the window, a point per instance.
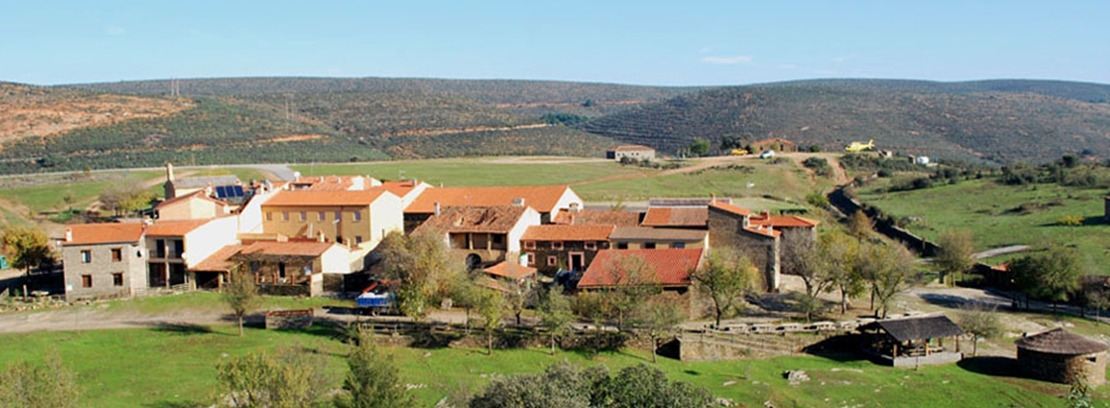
(557, 245)
(304, 216)
(285, 216)
(159, 248)
(498, 239)
(531, 259)
(117, 254)
(338, 215)
(320, 216)
(86, 256)
(529, 244)
(591, 245)
(552, 260)
(269, 216)
(358, 239)
(86, 281)
(356, 216)
(178, 248)
(622, 245)
(117, 279)
(649, 245)
(678, 245)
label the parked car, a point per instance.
(767, 154)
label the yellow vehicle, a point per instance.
(739, 152)
(859, 147)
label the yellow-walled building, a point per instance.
(353, 218)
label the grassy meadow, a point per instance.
(174, 366)
(999, 215)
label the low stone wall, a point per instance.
(715, 346)
(1061, 368)
(944, 357)
(285, 290)
(289, 319)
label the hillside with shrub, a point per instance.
(985, 121)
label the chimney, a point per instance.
(712, 198)
(169, 171)
(766, 214)
(574, 208)
(437, 208)
(320, 236)
(518, 202)
(69, 235)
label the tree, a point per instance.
(373, 379)
(837, 254)
(421, 263)
(287, 378)
(489, 307)
(516, 299)
(955, 254)
(27, 248)
(555, 314)
(51, 385)
(1052, 274)
(126, 197)
(659, 317)
(888, 269)
(464, 292)
(699, 147)
(633, 282)
(560, 385)
(860, 225)
(644, 386)
(725, 277)
(240, 292)
(800, 257)
(981, 321)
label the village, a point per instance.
(322, 236)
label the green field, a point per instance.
(999, 215)
(175, 366)
(483, 172)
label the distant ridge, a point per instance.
(996, 121)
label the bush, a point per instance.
(563, 385)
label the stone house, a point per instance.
(103, 260)
(669, 268)
(482, 236)
(637, 152)
(776, 144)
(291, 268)
(197, 205)
(547, 201)
(729, 226)
(173, 247)
(1061, 356)
(359, 219)
(657, 238)
(551, 248)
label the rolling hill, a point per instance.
(997, 122)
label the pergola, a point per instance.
(912, 337)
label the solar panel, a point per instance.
(229, 192)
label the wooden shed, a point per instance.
(1060, 356)
(914, 341)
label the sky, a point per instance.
(632, 42)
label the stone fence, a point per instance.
(289, 319)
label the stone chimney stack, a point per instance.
(69, 235)
(169, 171)
(437, 209)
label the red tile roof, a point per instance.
(597, 217)
(496, 219)
(782, 221)
(764, 231)
(676, 217)
(510, 270)
(173, 228)
(88, 234)
(291, 248)
(201, 194)
(399, 188)
(312, 198)
(672, 267)
(567, 233)
(541, 198)
(220, 261)
(332, 183)
(723, 206)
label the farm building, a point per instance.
(915, 341)
(1060, 356)
(777, 144)
(637, 152)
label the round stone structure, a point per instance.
(1060, 356)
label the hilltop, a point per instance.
(998, 121)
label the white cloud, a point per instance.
(733, 60)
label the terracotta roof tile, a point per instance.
(311, 198)
(671, 267)
(510, 270)
(567, 233)
(291, 248)
(541, 198)
(173, 228)
(88, 234)
(764, 231)
(676, 217)
(400, 188)
(597, 217)
(498, 219)
(729, 208)
(220, 261)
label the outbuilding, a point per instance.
(1060, 356)
(914, 341)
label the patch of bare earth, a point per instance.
(38, 117)
(296, 138)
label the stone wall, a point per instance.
(937, 358)
(727, 230)
(712, 346)
(1063, 368)
(289, 319)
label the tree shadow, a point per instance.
(183, 328)
(841, 348)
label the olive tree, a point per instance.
(725, 276)
(955, 254)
